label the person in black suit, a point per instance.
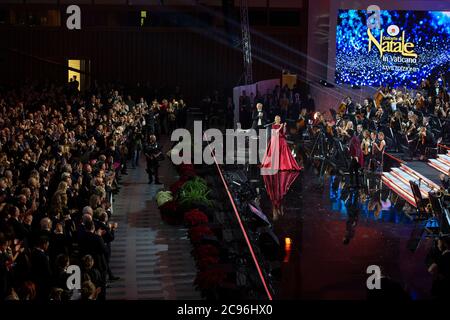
(259, 117)
(59, 243)
(351, 107)
(19, 230)
(41, 272)
(91, 243)
(152, 152)
(108, 237)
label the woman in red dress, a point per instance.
(278, 156)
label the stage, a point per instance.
(329, 234)
(426, 174)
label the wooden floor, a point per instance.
(152, 259)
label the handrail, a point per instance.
(443, 146)
(241, 225)
(394, 158)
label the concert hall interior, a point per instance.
(218, 150)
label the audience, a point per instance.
(62, 156)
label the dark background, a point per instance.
(175, 46)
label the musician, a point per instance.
(426, 87)
(153, 154)
(411, 133)
(365, 103)
(428, 105)
(396, 128)
(382, 95)
(361, 120)
(357, 158)
(381, 116)
(351, 107)
(259, 117)
(359, 131)
(396, 122)
(378, 149)
(345, 131)
(302, 121)
(366, 147)
(426, 140)
(439, 110)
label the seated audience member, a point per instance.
(62, 155)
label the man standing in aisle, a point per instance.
(153, 154)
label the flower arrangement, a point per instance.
(194, 191)
(175, 187)
(170, 212)
(210, 278)
(163, 196)
(195, 217)
(198, 232)
(205, 250)
(207, 262)
(196, 183)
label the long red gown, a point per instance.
(278, 185)
(278, 156)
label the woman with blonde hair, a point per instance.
(59, 200)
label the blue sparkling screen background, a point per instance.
(428, 30)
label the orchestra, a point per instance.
(396, 118)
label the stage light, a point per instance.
(287, 249)
(287, 242)
(325, 83)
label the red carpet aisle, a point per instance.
(152, 259)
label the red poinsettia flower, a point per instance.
(195, 217)
(175, 187)
(169, 208)
(198, 232)
(171, 213)
(205, 250)
(207, 262)
(210, 278)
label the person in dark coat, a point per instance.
(91, 243)
(41, 272)
(259, 117)
(357, 157)
(152, 153)
(108, 237)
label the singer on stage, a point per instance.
(278, 155)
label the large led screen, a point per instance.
(401, 50)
